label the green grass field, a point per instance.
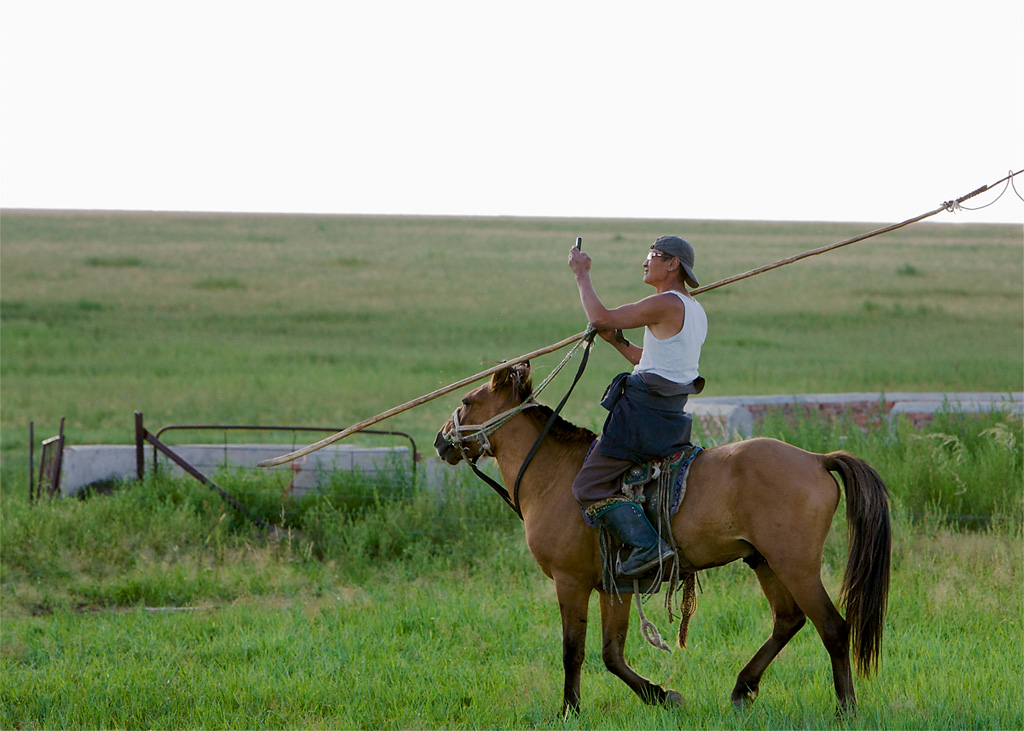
(159, 607)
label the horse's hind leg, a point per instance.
(614, 625)
(787, 619)
(811, 596)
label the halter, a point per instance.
(460, 433)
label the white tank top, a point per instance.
(676, 358)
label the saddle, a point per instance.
(658, 487)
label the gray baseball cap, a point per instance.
(679, 248)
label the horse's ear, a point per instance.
(516, 377)
(501, 379)
(521, 381)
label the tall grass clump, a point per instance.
(425, 529)
(162, 541)
(963, 469)
(358, 520)
(966, 469)
(173, 541)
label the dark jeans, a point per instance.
(598, 479)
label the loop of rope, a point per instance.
(1009, 182)
(647, 627)
(954, 206)
(1014, 184)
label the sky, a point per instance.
(805, 110)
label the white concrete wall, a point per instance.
(84, 465)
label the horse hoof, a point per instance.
(846, 711)
(673, 698)
(743, 699)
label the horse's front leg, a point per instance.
(614, 625)
(573, 603)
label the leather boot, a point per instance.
(628, 523)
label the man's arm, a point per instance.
(648, 312)
(617, 340)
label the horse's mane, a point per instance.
(562, 431)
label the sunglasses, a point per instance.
(658, 255)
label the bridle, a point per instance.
(458, 434)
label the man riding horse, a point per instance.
(647, 420)
(741, 501)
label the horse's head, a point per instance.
(482, 412)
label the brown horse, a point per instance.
(761, 500)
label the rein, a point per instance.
(588, 339)
(458, 434)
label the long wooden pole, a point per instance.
(417, 402)
(814, 252)
(947, 206)
(950, 205)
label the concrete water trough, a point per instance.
(69, 469)
(91, 464)
(724, 418)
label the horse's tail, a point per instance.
(865, 588)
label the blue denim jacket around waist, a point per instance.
(647, 420)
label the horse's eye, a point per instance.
(465, 402)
